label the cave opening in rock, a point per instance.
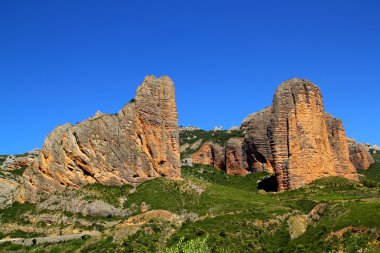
(268, 184)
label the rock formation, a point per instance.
(306, 144)
(210, 154)
(294, 138)
(13, 163)
(139, 142)
(235, 157)
(257, 145)
(359, 155)
(8, 188)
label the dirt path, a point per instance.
(50, 239)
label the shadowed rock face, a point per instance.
(306, 144)
(139, 142)
(257, 145)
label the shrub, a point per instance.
(198, 245)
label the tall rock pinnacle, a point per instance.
(306, 143)
(294, 138)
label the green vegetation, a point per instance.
(164, 194)
(15, 213)
(198, 245)
(371, 176)
(22, 234)
(18, 172)
(2, 159)
(109, 194)
(64, 247)
(229, 214)
(219, 137)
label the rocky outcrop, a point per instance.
(359, 155)
(306, 145)
(340, 148)
(210, 154)
(139, 142)
(257, 145)
(235, 157)
(241, 156)
(8, 189)
(294, 139)
(13, 163)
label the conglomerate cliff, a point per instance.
(139, 142)
(294, 138)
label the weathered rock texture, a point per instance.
(359, 155)
(139, 142)
(257, 145)
(13, 163)
(210, 154)
(306, 143)
(294, 138)
(236, 160)
(8, 189)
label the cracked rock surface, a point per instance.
(138, 143)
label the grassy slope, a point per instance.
(372, 175)
(237, 217)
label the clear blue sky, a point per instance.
(61, 61)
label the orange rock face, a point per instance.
(359, 155)
(210, 154)
(140, 142)
(294, 138)
(299, 134)
(236, 160)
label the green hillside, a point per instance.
(226, 213)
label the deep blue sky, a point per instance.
(61, 61)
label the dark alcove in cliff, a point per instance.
(268, 184)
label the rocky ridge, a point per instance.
(138, 143)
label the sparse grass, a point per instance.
(18, 172)
(23, 234)
(164, 194)
(14, 213)
(371, 176)
(2, 159)
(109, 194)
(64, 247)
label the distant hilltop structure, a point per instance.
(217, 128)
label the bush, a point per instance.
(198, 245)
